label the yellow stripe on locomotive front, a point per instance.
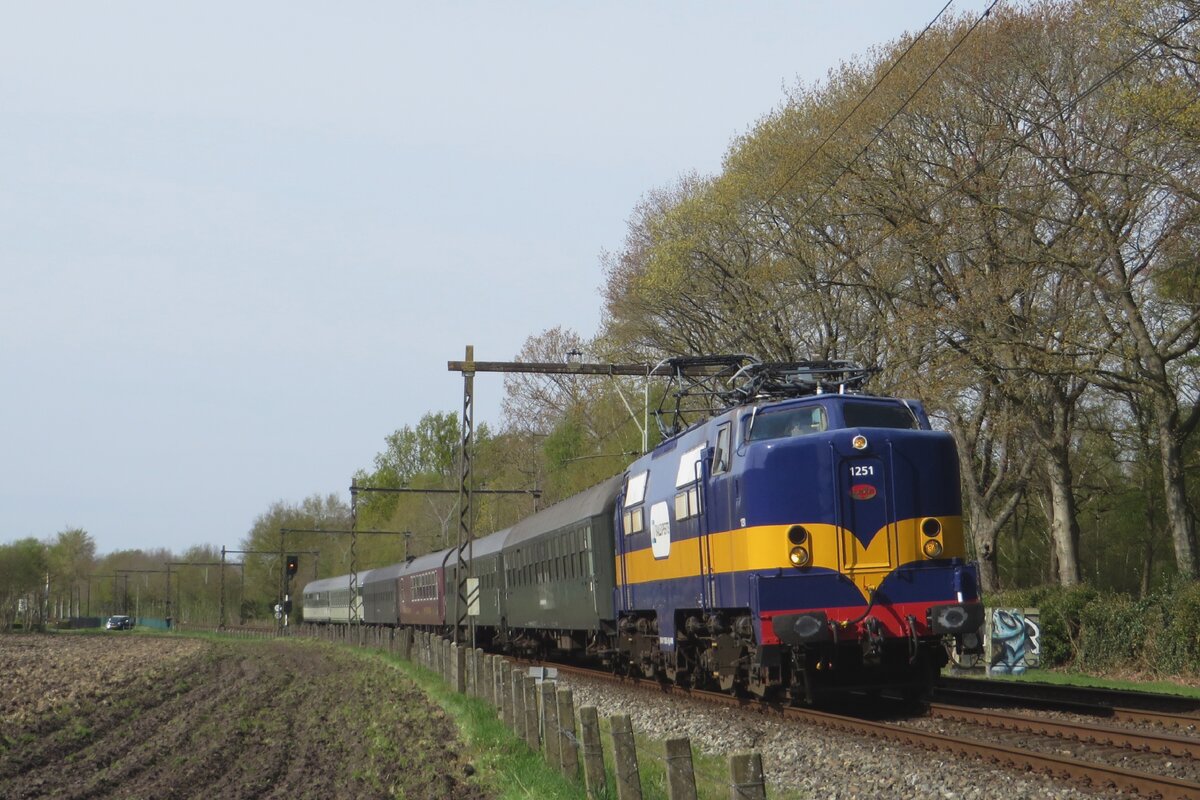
(767, 547)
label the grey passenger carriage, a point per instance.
(559, 572)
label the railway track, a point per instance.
(1163, 709)
(1101, 757)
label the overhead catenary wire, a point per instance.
(846, 168)
(1034, 127)
(878, 82)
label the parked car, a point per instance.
(120, 622)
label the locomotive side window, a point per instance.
(687, 503)
(800, 421)
(878, 415)
(721, 451)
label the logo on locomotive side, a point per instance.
(862, 491)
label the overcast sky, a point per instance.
(240, 241)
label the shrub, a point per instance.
(1113, 632)
(1176, 647)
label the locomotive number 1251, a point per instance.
(861, 470)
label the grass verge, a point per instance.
(1066, 678)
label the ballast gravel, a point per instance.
(815, 761)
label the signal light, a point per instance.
(293, 564)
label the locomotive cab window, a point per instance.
(635, 492)
(800, 421)
(720, 462)
(878, 415)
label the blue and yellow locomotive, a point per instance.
(809, 538)
(801, 537)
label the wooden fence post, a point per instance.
(681, 775)
(593, 751)
(549, 723)
(517, 687)
(746, 777)
(498, 685)
(531, 713)
(629, 782)
(568, 753)
(460, 669)
(506, 698)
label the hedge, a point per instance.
(1090, 630)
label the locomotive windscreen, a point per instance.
(878, 415)
(792, 422)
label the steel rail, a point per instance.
(1092, 733)
(1137, 716)
(1071, 697)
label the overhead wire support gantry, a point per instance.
(468, 367)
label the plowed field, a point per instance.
(127, 716)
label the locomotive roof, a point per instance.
(584, 505)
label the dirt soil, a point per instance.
(127, 716)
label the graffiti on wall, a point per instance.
(1014, 641)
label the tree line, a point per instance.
(1002, 219)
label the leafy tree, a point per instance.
(23, 566)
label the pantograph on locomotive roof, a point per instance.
(703, 386)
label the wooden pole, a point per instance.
(681, 775)
(593, 752)
(629, 783)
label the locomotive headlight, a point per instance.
(799, 557)
(797, 534)
(931, 527)
(932, 548)
(859, 442)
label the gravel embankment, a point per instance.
(822, 763)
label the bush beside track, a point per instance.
(1100, 632)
